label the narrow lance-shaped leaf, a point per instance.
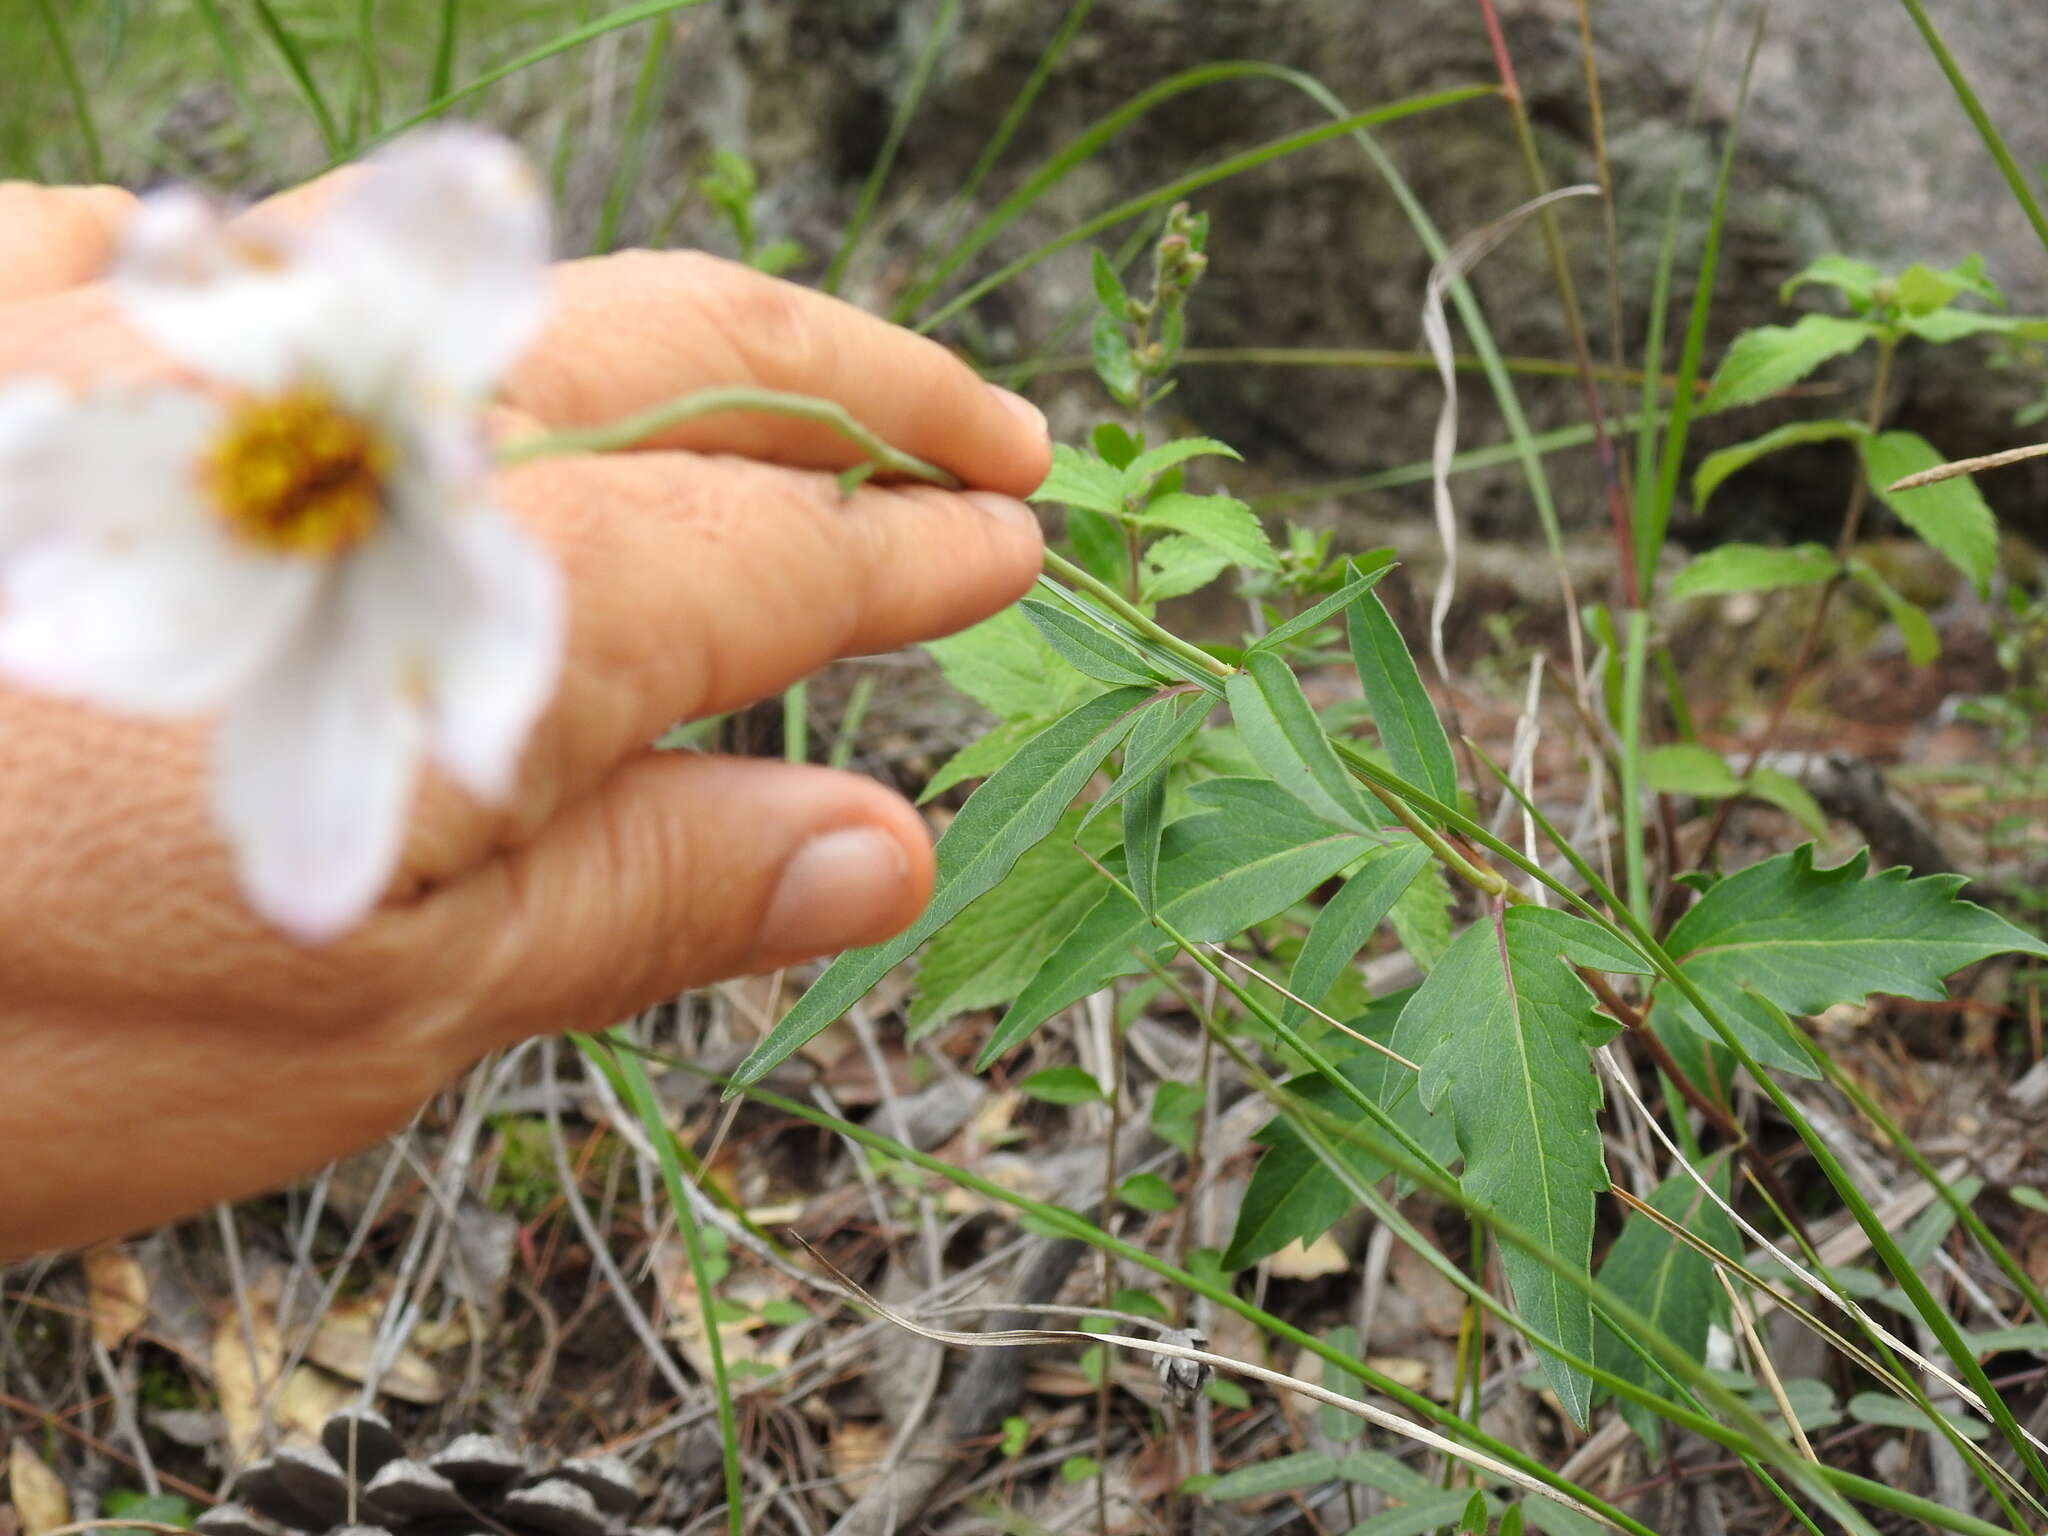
(1366, 573)
(1012, 810)
(1164, 726)
(1087, 649)
(1808, 938)
(1144, 828)
(1285, 738)
(1503, 1030)
(1347, 921)
(1407, 720)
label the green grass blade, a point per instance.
(74, 85)
(639, 120)
(1209, 175)
(230, 59)
(885, 160)
(295, 64)
(443, 75)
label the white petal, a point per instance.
(31, 414)
(439, 256)
(232, 301)
(480, 605)
(313, 776)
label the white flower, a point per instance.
(306, 542)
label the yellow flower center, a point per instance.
(294, 474)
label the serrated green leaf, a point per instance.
(1293, 1195)
(1148, 466)
(1856, 280)
(1147, 1192)
(1224, 523)
(1754, 568)
(986, 955)
(1952, 515)
(1789, 796)
(1098, 540)
(1762, 361)
(1006, 666)
(1503, 1029)
(1085, 648)
(1366, 573)
(1683, 768)
(1017, 806)
(1667, 1282)
(1079, 480)
(1422, 917)
(1401, 708)
(1716, 467)
(1163, 727)
(1179, 564)
(1923, 645)
(1062, 1085)
(979, 759)
(1176, 1112)
(1806, 938)
(1281, 730)
(1219, 872)
(1347, 920)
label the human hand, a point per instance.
(160, 1047)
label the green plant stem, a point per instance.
(636, 429)
(796, 722)
(1135, 616)
(1346, 357)
(1636, 641)
(631, 1075)
(74, 85)
(2015, 176)
(295, 64)
(444, 50)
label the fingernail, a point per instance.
(1022, 409)
(830, 892)
(1006, 509)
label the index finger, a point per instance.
(632, 330)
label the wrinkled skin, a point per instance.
(161, 1049)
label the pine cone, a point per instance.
(360, 1482)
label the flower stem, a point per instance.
(631, 431)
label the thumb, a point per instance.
(681, 870)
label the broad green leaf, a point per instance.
(1109, 287)
(2032, 1337)
(1176, 1111)
(1098, 540)
(1006, 666)
(1293, 1194)
(1366, 573)
(1114, 446)
(1115, 364)
(1924, 1237)
(1921, 290)
(1179, 564)
(1667, 1282)
(1087, 649)
(1503, 1029)
(1856, 280)
(1554, 1519)
(1373, 1469)
(1790, 796)
(1763, 361)
(1422, 917)
(1284, 736)
(1347, 920)
(1401, 709)
(1951, 514)
(1303, 1469)
(1018, 805)
(1946, 325)
(1805, 939)
(1685, 769)
(1219, 872)
(1164, 726)
(1147, 1192)
(1223, 523)
(1062, 1085)
(979, 759)
(1079, 480)
(1754, 568)
(1420, 1516)
(987, 954)
(1148, 466)
(1716, 467)
(1923, 645)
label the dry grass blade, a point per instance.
(1959, 467)
(1015, 1338)
(1765, 1368)
(1387, 1051)
(1436, 332)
